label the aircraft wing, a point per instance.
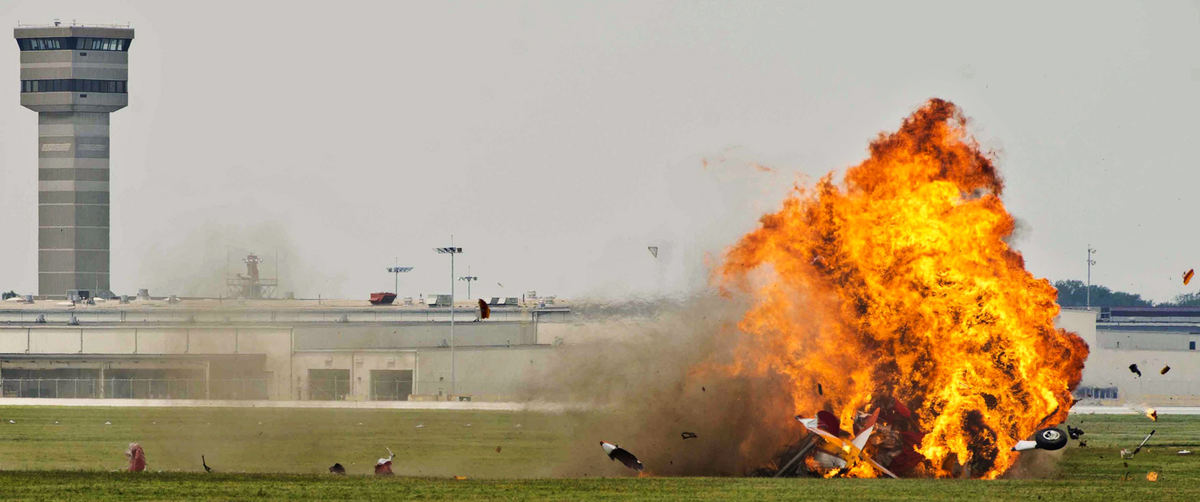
(880, 467)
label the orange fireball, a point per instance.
(899, 282)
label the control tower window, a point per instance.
(81, 43)
(74, 85)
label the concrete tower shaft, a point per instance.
(73, 76)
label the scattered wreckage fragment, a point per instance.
(834, 449)
(205, 464)
(688, 435)
(1129, 454)
(1050, 438)
(617, 453)
(137, 457)
(383, 466)
(337, 468)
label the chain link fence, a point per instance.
(135, 388)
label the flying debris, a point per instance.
(205, 464)
(1152, 414)
(484, 310)
(137, 457)
(617, 453)
(337, 468)
(1050, 438)
(1074, 432)
(383, 466)
(653, 250)
(1134, 369)
(1129, 454)
(820, 391)
(688, 435)
(1164, 370)
(1187, 276)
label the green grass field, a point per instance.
(284, 454)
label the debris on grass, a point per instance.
(137, 457)
(337, 468)
(205, 464)
(460, 478)
(497, 449)
(383, 466)
(1184, 452)
(1152, 476)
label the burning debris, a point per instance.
(485, 311)
(383, 466)
(1152, 476)
(617, 453)
(1152, 414)
(916, 296)
(1134, 369)
(337, 468)
(137, 457)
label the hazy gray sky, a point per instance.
(556, 140)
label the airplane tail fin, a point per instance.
(867, 428)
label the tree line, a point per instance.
(1073, 293)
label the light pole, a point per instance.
(451, 251)
(469, 278)
(1090, 262)
(397, 270)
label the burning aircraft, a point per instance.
(899, 280)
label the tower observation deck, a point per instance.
(74, 77)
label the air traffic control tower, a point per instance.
(73, 76)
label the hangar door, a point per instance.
(328, 385)
(391, 385)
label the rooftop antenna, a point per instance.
(1090, 262)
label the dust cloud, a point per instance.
(664, 376)
(198, 265)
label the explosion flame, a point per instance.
(899, 284)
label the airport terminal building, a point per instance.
(269, 349)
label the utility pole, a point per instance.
(397, 270)
(1090, 262)
(469, 279)
(451, 250)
